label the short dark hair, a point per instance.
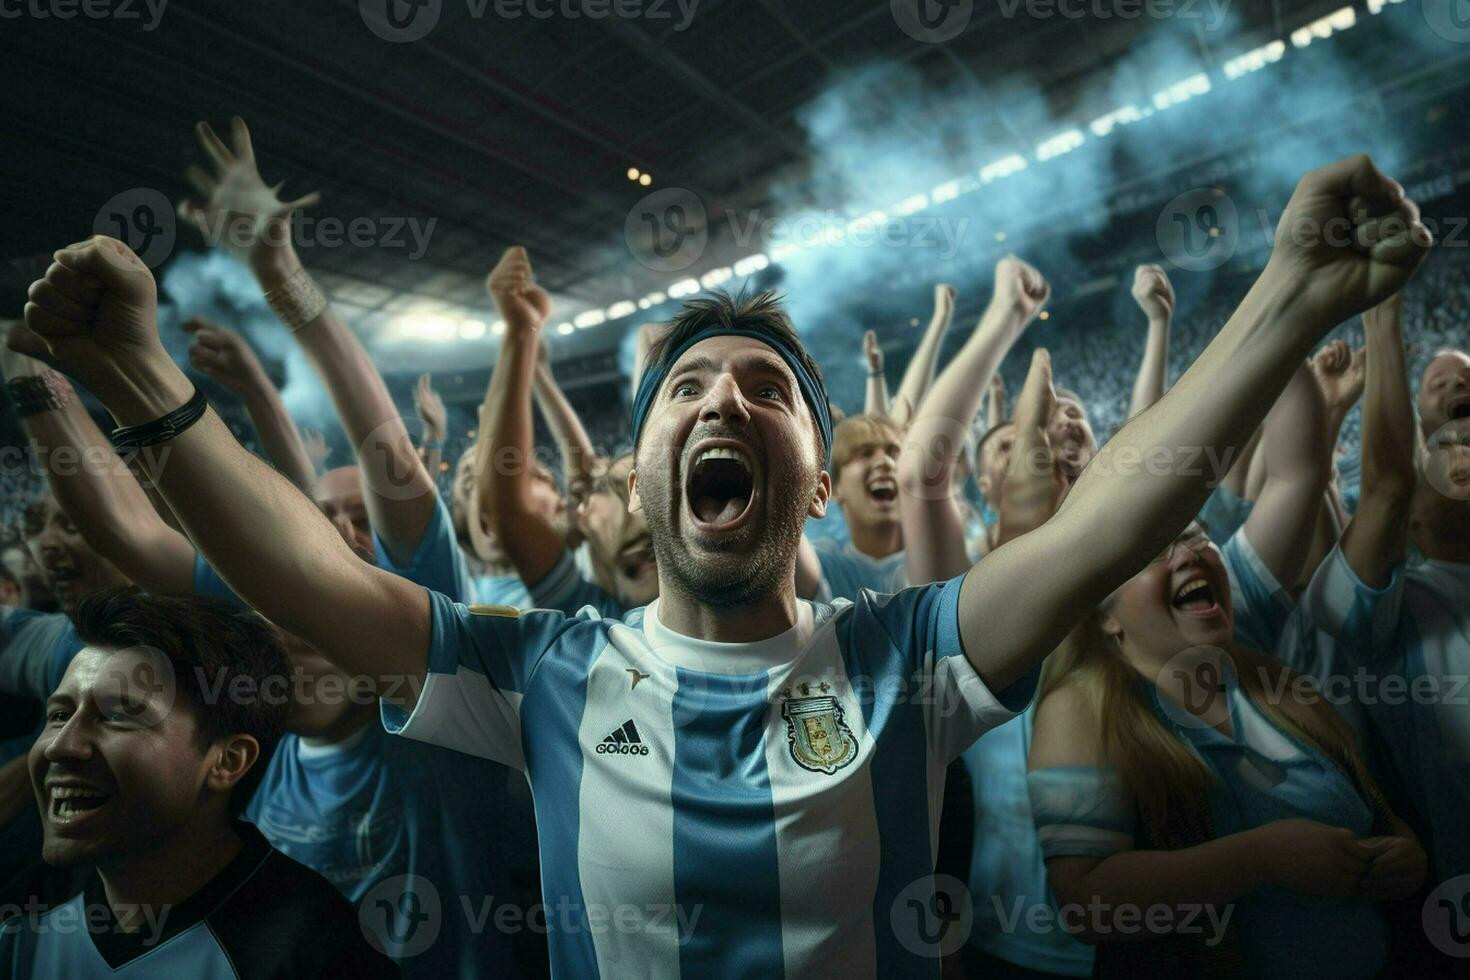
(759, 313)
(209, 643)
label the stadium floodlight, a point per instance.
(1103, 125)
(867, 222)
(715, 277)
(751, 263)
(565, 329)
(497, 328)
(651, 300)
(947, 191)
(425, 327)
(917, 202)
(1324, 27)
(1254, 60)
(684, 287)
(589, 318)
(1064, 142)
(1003, 167)
(621, 309)
(472, 329)
(633, 173)
(1182, 91)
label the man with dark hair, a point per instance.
(746, 784)
(152, 744)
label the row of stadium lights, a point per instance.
(443, 328)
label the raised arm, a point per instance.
(97, 311)
(1033, 480)
(1154, 294)
(919, 374)
(436, 423)
(506, 440)
(1376, 539)
(995, 402)
(1297, 460)
(92, 484)
(397, 490)
(580, 461)
(933, 528)
(227, 357)
(875, 401)
(1145, 484)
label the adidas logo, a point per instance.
(624, 740)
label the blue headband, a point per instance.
(811, 388)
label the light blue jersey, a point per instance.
(369, 810)
(1409, 644)
(1224, 513)
(502, 590)
(713, 810)
(35, 649)
(847, 571)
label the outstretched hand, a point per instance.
(523, 305)
(873, 353)
(239, 211)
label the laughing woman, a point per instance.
(1201, 811)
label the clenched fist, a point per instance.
(97, 306)
(1348, 239)
(225, 356)
(1020, 288)
(1153, 292)
(523, 305)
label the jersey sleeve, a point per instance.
(1260, 604)
(923, 625)
(480, 661)
(565, 590)
(1080, 811)
(438, 564)
(35, 649)
(1363, 619)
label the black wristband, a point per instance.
(131, 438)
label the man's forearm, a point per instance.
(1376, 539)
(242, 514)
(278, 435)
(1297, 460)
(578, 456)
(398, 492)
(1153, 372)
(96, 489)
(919, 374)
(875, 401)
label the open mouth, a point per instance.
(70, 804)
(720, 488)
(1460, 410)
(1196, 597)
(883, 490)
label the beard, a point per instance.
(750, 563)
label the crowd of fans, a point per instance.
(1086, 631)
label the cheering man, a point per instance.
(730, 782)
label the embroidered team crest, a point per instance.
(820, 739)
